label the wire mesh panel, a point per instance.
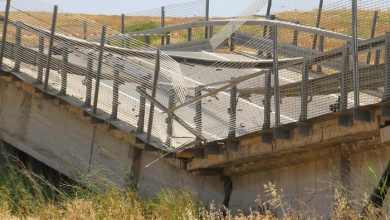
(165, 16)
(291, 65)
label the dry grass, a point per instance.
(25, 195)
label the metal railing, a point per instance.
(277, 71)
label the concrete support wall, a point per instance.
(60, 137)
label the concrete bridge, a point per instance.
(89, 108)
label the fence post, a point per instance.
(386, 96)
(99, 70)
(115, 91)
(232, 45)
(88, 81)
(64, 69)
(5, 28)
(372, 34)
(233, 112)
(267, 100)
(147, 39)
(304, 91)
(162, 25)
(172, 103)
(18, 42)
(321, 49)
(344, 79)
(85, 30)
(168, 38)
(295, 36)
(142, 106)
(123, 23)
(207, 18)
(318, 23)
(41, 58)
(154, 91)
(198, 112)
(51, 41)
(355, 65)
(267, 15)
(275, 71)
(189, 34)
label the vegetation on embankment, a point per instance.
(26, 195)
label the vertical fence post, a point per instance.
(377, 57)
(115, 91)
(64, 69)
(355, 65)
(372, 34)
(41, 58)
(386, 96)
(85, 30)
(172, 103)
(5, 28)
(267, 15)
(275, 71)
(147, 39)
(267, 100)
(189, 34)
(304, 91)
(142, 106)
(162, 25)
(99, 70)
(295, 36)
(321, 49)
(345, 79)
(233, 112)
(154, 91)
(123, 23)
(207, 18)
(198, 112)
(18, 53)
(51, 41)
(318, 23)
(88, 81)
(168, 36)
(232, 45)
